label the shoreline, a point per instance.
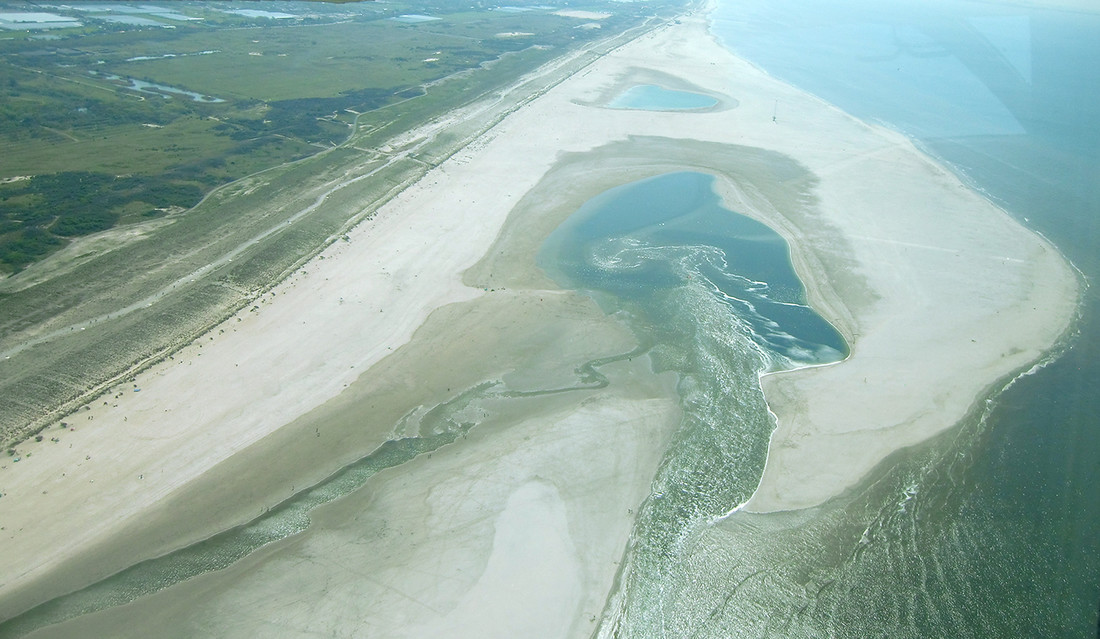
(885, 285)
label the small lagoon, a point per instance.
(414, 18)
(650, 97)
(161, 90)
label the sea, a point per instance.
(991, 529)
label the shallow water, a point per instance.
(716, 293)
(649, 97)
(434, 427)
(989, 530)
(161, 89)
(640, 243)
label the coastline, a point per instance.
(872, 246)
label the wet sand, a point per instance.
(939, 293)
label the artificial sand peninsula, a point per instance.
(517, 529)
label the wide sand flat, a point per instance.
(940, 294)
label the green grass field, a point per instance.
(92, 154)
(286, 89)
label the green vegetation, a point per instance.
(285, 89)
(35, 214)
(297, 151)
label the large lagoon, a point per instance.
(644, 245)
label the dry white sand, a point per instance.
(939, 293)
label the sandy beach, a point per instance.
(940, 294)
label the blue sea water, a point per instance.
(992, 529)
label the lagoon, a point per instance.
(162, 90)
(650, 97)
(634, 243)
(153, 87)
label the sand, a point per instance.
(940, 294)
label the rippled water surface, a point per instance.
(989, 530)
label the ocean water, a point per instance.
(993, 528)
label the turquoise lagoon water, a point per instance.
(650, 97)
(992, 529)
(639, 243)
